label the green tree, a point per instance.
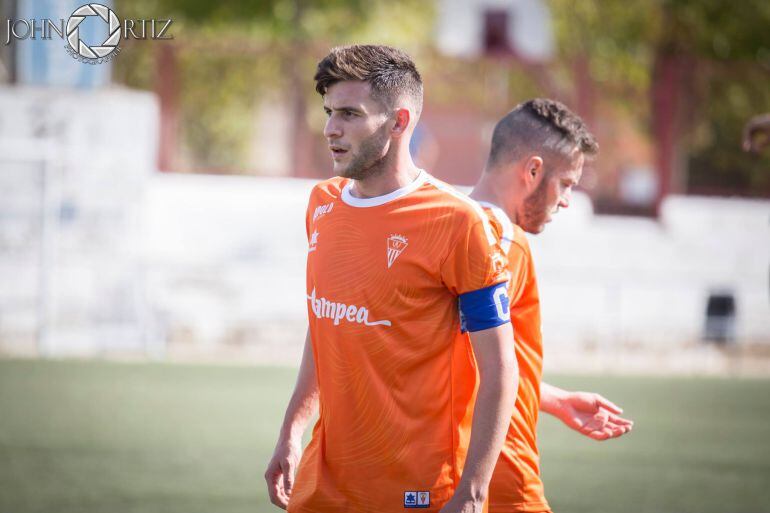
(693, 70)
(228, 54)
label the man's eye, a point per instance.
(348, 113)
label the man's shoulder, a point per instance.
(520, 239)
(332, 186)
(512, 236)
(454, 201)
(327, 190)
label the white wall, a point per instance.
(619, 281)
(73, 165)
(225, 263)
(227, 252)
(100, 253)
(460, 27)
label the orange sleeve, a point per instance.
(518, 266)
(311, 204)
(474, 262)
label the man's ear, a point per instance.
(403, 116)
(534, 168)
(533, 171)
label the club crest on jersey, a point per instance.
(498, 263)
(322, 209)
(417, 499)
(313, 241)
(396, 245)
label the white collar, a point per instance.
(376, 201)
(499, 212)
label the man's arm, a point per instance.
(585, 412)
(302, 406)
(499, 376)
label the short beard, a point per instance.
(370, 159)
(535, 209)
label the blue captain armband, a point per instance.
(484, 308)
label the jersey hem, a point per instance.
(521, 507)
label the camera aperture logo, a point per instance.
(79, 49)
(76, 44)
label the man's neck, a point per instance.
(398, 173)
(488, 190)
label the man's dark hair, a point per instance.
(390, 72)
(540, 126)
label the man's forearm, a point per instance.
(498, 372)
(550, 397)
(304, 400)
(302, 407)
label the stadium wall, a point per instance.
(100, 254)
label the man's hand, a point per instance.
(587, 413)
(303, 404)
(280, 471)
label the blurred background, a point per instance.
(152, 208)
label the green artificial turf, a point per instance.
(106, 437)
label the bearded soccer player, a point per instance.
(395, 260)
(536, 158)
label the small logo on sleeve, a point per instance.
(396, 245)
(499, 267)
(416, 499)
(313, 241)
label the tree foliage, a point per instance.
(728, 44)
(233, 55)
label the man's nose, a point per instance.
(332, 128)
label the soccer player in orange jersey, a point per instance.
(401, 268)
(536, 158)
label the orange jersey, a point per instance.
(516, 485)
(383, 280)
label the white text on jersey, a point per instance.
(322, 209)
(323, 308)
